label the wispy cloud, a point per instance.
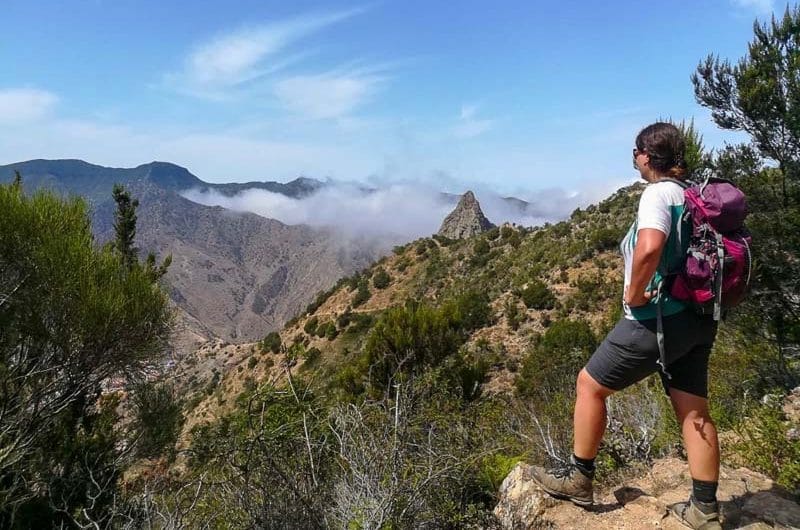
(759, 6)
(329, 95)
(19, 105)
(469, 125)
(233, 58)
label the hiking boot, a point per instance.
(690, 515)
(566, 482)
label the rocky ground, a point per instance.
(747, 499)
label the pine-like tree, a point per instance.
(760, 95)
(125, 226)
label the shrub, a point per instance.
(765, 445)
(381, 279)
(271, 343)
(512, 313)
(407, 339)
(362, 294)
(481, 247)
(536, 295)
(157, 418)
(72, 315)
(331, 332)
(310, 326)
(554, 362)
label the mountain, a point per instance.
(234, 275)
(466, 220)
(95, 182)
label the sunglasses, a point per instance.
(637, 152)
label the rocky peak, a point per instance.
(466, 220)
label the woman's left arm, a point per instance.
(646, 255)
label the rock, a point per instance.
(771, 508)
(791, 406)
(466, 220)
(521, 501)
(747, 500)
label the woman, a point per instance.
(655, 243)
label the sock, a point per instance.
(584, 465)
(705, 493)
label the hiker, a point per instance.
(656, 241)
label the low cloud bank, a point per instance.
(400, 212)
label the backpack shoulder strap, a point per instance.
(683, 184)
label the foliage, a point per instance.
(536, 295)
(554, 362)
(71, 317)
(157, 418)
(381, 279)
(766, 446)
(310, 327)
(125, 225)
(271, 342)
(362, 294)
(759, 95)
(512, 313)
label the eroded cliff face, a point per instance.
(466, 220)
(747, 500)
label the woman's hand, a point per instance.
(638, 301)
(646, 255)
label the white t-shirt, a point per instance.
(660, 207)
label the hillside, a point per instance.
(234, 275)
(490, 331)
(575, 261)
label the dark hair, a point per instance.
(665, 145)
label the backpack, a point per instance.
(716, 271)
(718, 263)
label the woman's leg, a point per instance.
(699, 434)
(590, 415)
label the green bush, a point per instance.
(407, 339)
(381, 279)
(310, 327)
(271, 343)
(766, 447)
(536, 295)
(554, 362)
(362, 294)
(157, 418)
(512, 313)
(72, 316)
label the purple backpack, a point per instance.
(718, 264)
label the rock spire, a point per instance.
(466, 220)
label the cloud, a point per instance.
(397, 212)
(469, 126)
(245, 54)
(19, 105)
(330, 95)
(760, 6)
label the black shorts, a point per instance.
(630, 353)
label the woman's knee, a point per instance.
(586, 385)
(689, 407)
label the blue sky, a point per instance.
(509, 95)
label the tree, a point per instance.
(125, 225)
(72, 318)
(760, 95)
(125, 233)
